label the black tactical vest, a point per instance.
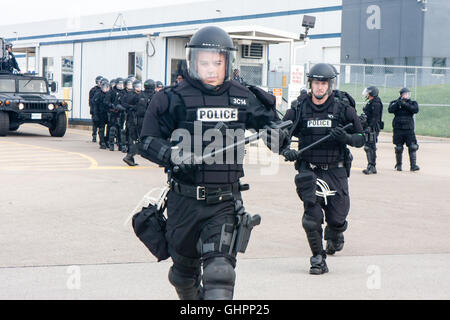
(315, 125)
(226, 111)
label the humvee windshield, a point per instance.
(7, 85)
(32, 86)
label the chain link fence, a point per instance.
(430, 87)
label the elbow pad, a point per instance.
(156, 150)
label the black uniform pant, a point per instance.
(402, 137)
(101, 125)
(115, 127)
(335, 210)
(370, 147)
(193, 232)
(94, 128)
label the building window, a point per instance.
(439, 63)
(131, 63)
(369, 69)
(67, 72)
(47, 68)
(389, 62)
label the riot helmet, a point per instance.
(113, 83)
(132, 77)
(370, 91)
(98, 79)
(159, 86)
(210, 55)
(149, 85)
(119, 84)
(322, 72)
(137, 85)
(104, 85)
(128, 84)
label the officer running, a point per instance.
(326, 165)
(404, 110)
(205, 198)
(372, 126)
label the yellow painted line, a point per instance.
(92, 161)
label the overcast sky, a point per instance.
(14, 12)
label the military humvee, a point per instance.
(26, 99)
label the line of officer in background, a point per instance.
(327, 166)
(372, 125)
(404, 110)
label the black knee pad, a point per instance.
(398, 148)
(218, 279)
(413, 147)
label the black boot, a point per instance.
(334, 245)
(129, 160)
(318, 264)
(412, 160)
(398, 158)
(335, 238)
(187, 288)
(94, 138)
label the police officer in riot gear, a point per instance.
(372, 127)
(103, 101)
(118, 115)
(325, 166)
(404, 110)
(205, 197)
(131, 104)
(94, 90)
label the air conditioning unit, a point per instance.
(253, 51)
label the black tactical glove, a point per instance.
(185, 163)
(340, 135)
(290, 155)
(276, 137)
(363, 118)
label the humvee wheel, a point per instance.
(60, 126)
(4, 123)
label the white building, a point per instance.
(150, 42)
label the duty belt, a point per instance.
(339, 164)
(209, 194)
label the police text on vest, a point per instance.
(319, 123)
(217, 114)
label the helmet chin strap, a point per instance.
(319, 97)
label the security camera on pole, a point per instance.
(298, 71)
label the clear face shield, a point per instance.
(211, 66)
(119, 86)
(129, 86)
(365, 94)
(321, 88)
(105, 87)
(138, 87)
